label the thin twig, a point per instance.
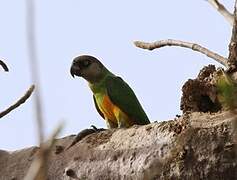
(38, 166)
(34, 65)
(222, 10)
(35, 77)
(19, 102)
(4, 66)
(193, 46)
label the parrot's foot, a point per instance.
(122, 124)
(96, 129)
(84, 133)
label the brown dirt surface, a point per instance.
(200, 94)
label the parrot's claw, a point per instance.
(84, 133)
(96, 129)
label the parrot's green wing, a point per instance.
(97, 108)
(123, 96)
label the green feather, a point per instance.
(123, 96)
(227, 91)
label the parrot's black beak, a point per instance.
(75, 71)
(72, 72)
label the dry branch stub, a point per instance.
(20, 101)
(4, 66)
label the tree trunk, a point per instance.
(194, 146)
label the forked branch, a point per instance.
(222, 10)
(193, 46)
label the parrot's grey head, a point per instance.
(87, 67)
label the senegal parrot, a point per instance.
(114, 100)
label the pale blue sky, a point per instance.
(105, 29)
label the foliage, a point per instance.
(226, 91)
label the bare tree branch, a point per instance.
(193, 46)
(19, 102)
(233, 43)
(222, 10)
(233, 60)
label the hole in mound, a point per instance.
(206, 104)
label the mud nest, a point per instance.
(200, 94)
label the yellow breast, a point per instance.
(113, 112)
(108, 108)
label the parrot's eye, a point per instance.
(86, 63)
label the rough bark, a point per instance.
(200, 94)
(194, 146)
(233, 43)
